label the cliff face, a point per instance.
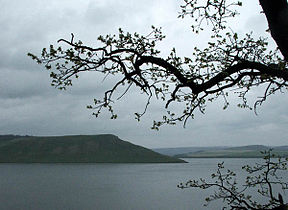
(76, 149)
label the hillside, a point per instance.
(251, 151)
(184, 150)
(76, 149)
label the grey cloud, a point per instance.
(23, 84)
(29, 105)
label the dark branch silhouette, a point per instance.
(228, 63)
(261, 177)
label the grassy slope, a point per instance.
(78, 149)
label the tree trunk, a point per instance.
(276, 12)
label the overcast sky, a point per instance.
(30, 106)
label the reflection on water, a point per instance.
(107, 186)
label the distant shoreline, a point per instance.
(250, 151)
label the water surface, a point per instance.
(107, 186)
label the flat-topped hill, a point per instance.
(105, 148)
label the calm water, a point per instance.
(106, 186)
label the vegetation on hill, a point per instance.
(77, 149)
(251, 151)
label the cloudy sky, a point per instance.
(30, 106)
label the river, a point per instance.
(107, 186)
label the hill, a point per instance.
(251, 151)
(76, 149)
(184, 150)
